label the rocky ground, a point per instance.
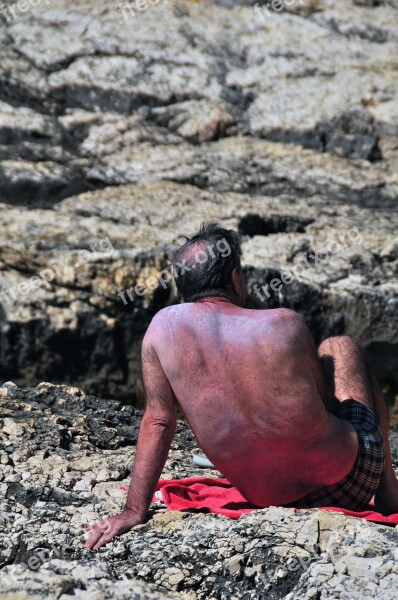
(64, 456)
(127, 132)
(117, 134)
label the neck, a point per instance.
(220, 299)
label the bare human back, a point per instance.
(249, 385)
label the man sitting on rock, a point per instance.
(285, 424)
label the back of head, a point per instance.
(203, 266)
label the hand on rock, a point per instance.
(111, 527)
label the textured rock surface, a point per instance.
(283, 125)
(65, 455)
(117, 135)
(70, 324)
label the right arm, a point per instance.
(318, 367)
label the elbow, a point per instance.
(168, 425)
(164, 429)
(161, 424)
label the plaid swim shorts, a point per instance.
(356, 489)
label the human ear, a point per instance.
(236, 280)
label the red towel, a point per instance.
(219, 496)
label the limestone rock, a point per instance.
(273, 552)
(65, 274)
(119, 131)
(134, 126)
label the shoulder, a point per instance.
(161, 322)
(289, 319)
(156, 340)
(288, 315)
